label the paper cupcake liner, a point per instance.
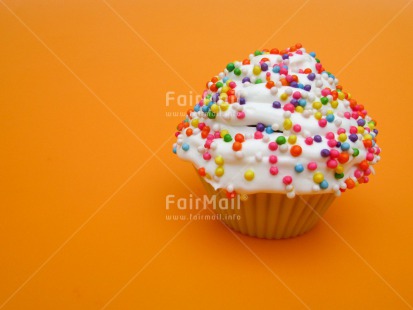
(272, 215)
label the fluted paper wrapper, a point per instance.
(272, 215)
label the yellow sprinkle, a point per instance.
(215, 108)
(249, 175)
(223, 132)
(256, 70)
(339, 169)
(334, 104)
(317, 105)
(225, 88)
(342, 137)
(292, 139)
(219, 171)
(287, 124)
(223, 96)
(299, 109)
(224, 106)
(318, 177)
(360, 129)
(219, 160)
(195, 122)
(318, 115)
(284, 96)
(341, 96)
(367, 137)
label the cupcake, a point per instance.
(279, 136)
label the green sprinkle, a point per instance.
(230, 67)
(281, 140)
(339, 175)
(356, 152)
(227, 138)
(324, 100)
(237, 71)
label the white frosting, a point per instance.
(258, 108)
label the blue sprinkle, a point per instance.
(330, 118)
(324, 184)
(269, 130)
(345, 146)
(302, 102)
(185, 147)
(299, 168)
(174, 150)
(205, 109)
(312, 54)
(276, 69)
(197, 108)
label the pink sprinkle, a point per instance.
(207, 156)
(299, 52)
(308, 140)
(322, 122)
(341, 130)
(258, 135)
(274, 170)
(210, 136)
(201, 125)
(358, 173)
(287, 180)
(367, 171)
(330, 135)
(354, 115)
(273, 146)
(289, 78)
(297, 95)
(312, 166)
(273, 159)
(207, 144)
(283, 71)
(332, 143)
(289, 107)
(240, 114)
(371, 150)
(334, 153)
(378, 150)
(366, 179)
(370, 156)
(332, 163)
(217, 134)
(353, 130)
(297, 128)
(177, 133)
(347, 115)
(325, 92)
(232, 84)
(318, 66)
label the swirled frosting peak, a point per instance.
(279, 122)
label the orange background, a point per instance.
(82, 110)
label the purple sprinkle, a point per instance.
(285, 56)
(376, 131)
(361, 122)
(246, 79)
(307, 87)
(311, 76)
(276, 105)
(353, 137)
(325, 153)
(317, 138)
(294, 84)
(242, 100)
(260, 127)
(338, 144)
(215, 98)
(264, 66)
(294, 102)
